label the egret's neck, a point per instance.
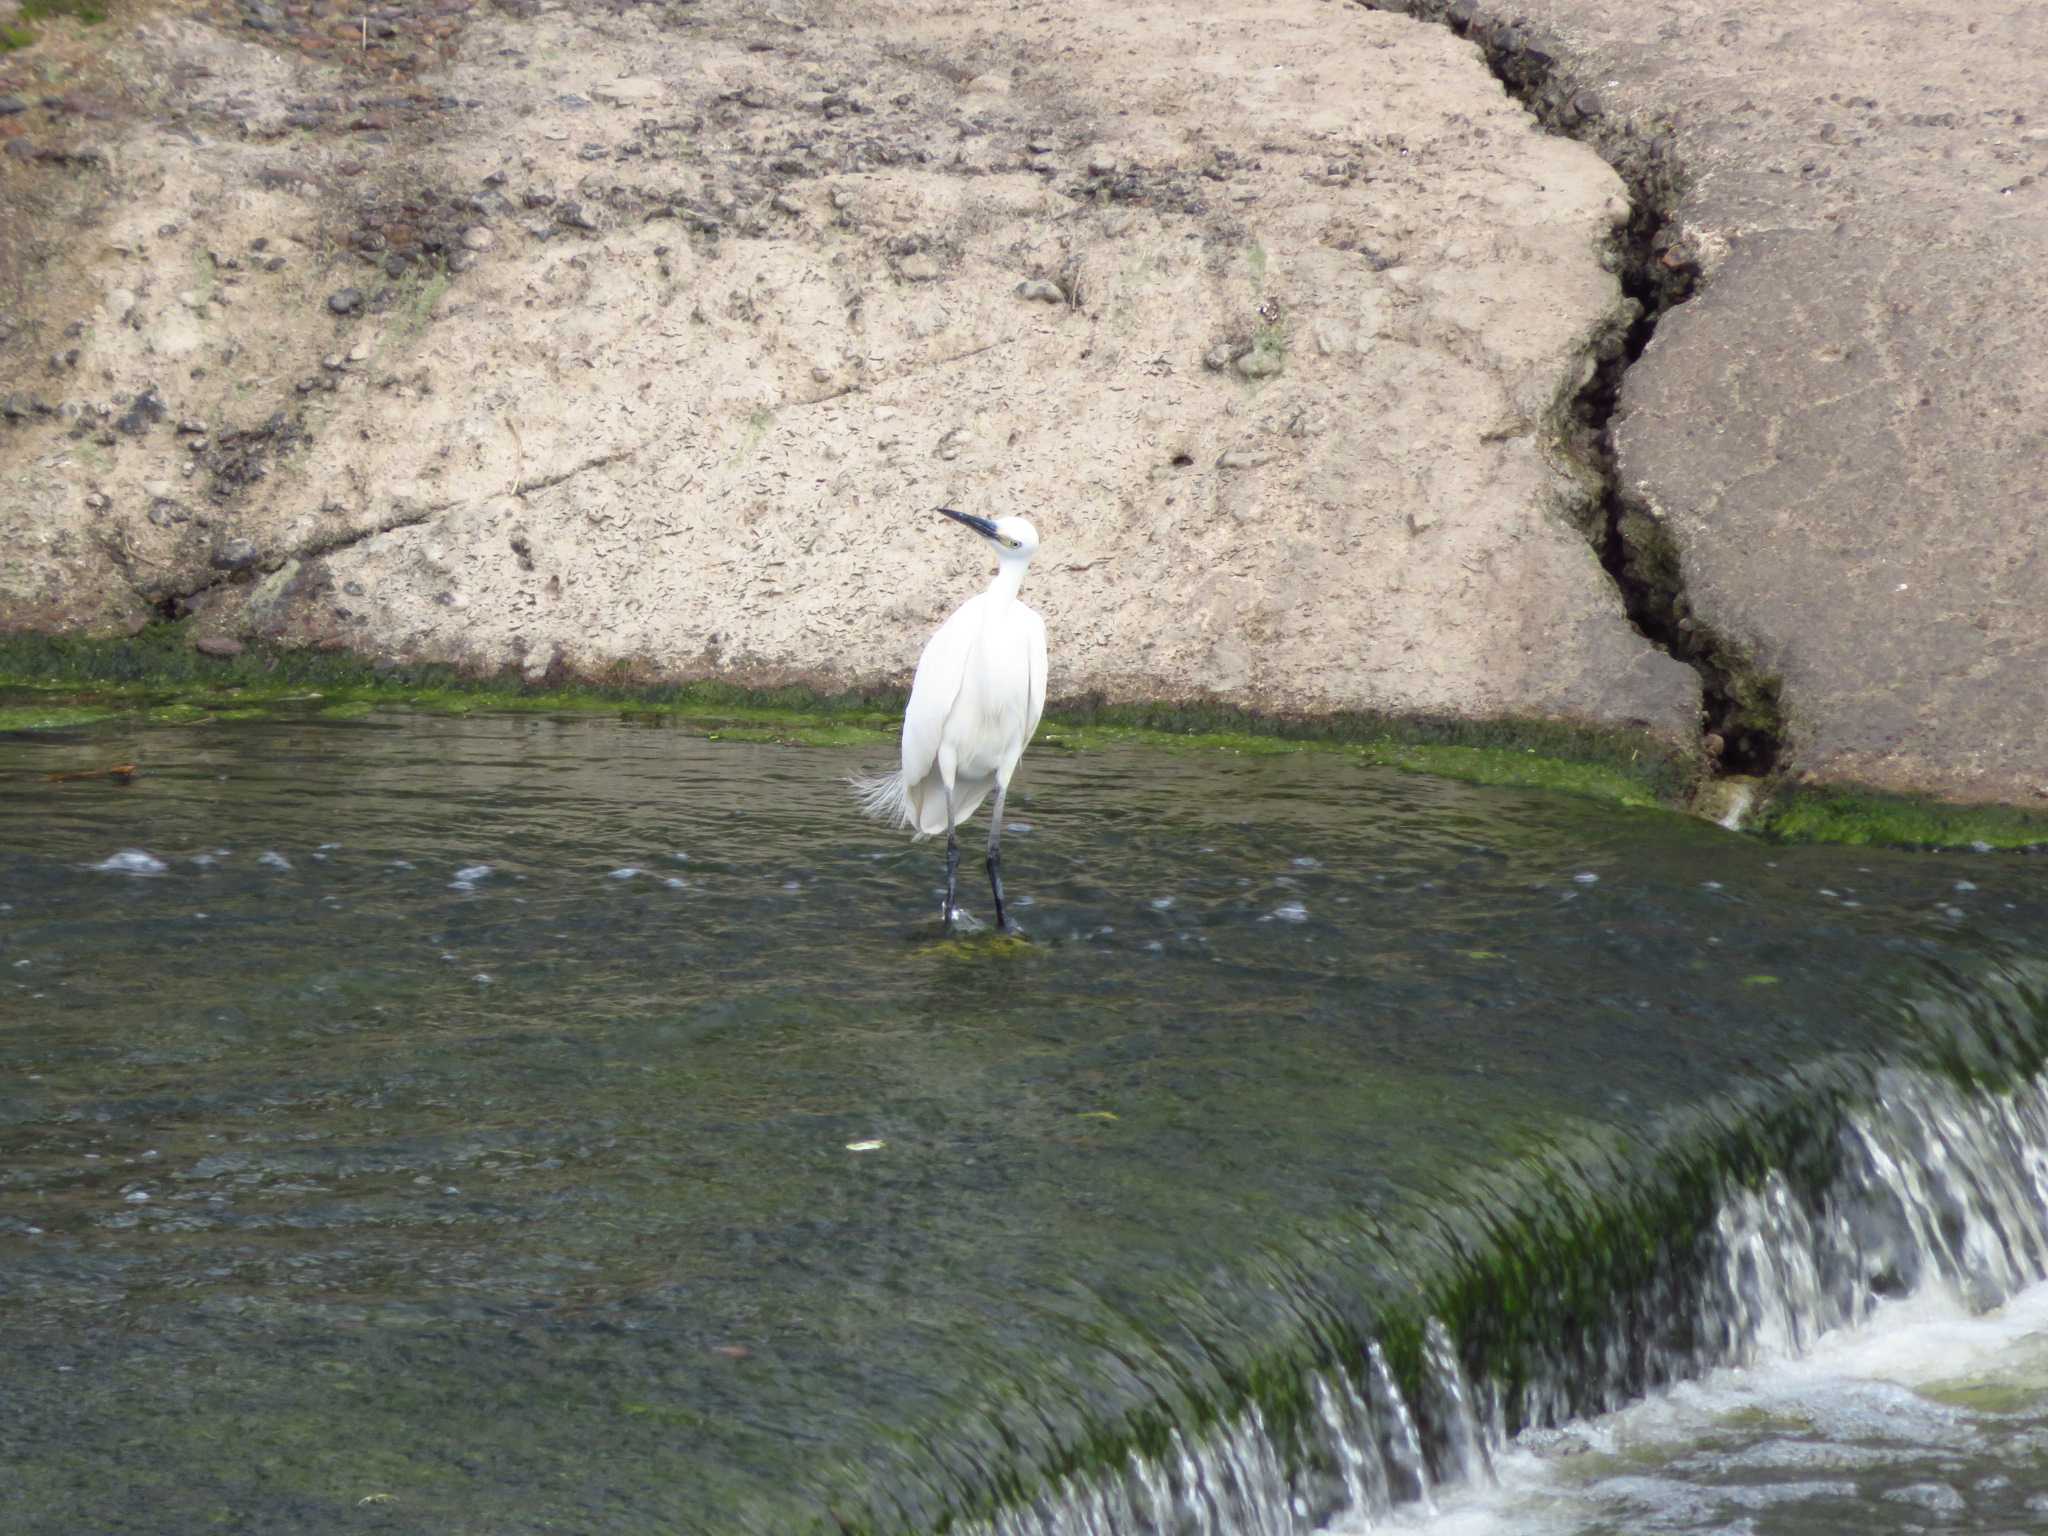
(1009, 577)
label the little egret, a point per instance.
(976, 699)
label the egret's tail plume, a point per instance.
(883, 797)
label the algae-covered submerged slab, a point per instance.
(57, 682)
(47, 681)
(1855, 815)
(466, 1092)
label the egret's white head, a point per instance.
(1013, 537)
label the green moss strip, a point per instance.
(12, 37)
(65, 681)
(1846, 814)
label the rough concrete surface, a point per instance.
(1847, 429)
(1268, 312)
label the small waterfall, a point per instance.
(1931, 1185)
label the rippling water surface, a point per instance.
(510, 1124)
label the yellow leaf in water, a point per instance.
(865, 1146)
(1093, 1114)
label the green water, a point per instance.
(342, 1194)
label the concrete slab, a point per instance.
(1846, 430)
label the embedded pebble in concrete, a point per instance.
(132, 861)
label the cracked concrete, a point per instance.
(1268, 313)
(1846, 431)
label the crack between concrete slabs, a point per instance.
(1743, 727)
(526, 488)
(168, 604)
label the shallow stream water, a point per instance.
(518, 1124)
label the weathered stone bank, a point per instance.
(562, 337)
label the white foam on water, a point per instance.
(1800, 1396)
(1883, 1403)
(473, 873)
(132, 861)
(272, 859)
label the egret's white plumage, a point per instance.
(974, 704)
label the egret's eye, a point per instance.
(1009, 543)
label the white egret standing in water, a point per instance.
(976, 699)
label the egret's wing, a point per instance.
(1036, 628)
(940, 671)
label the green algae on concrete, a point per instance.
(63, 681)
(68, 682)
(1858, 816)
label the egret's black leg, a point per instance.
(952, 866)
(995, 856)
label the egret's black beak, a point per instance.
(980, 525)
